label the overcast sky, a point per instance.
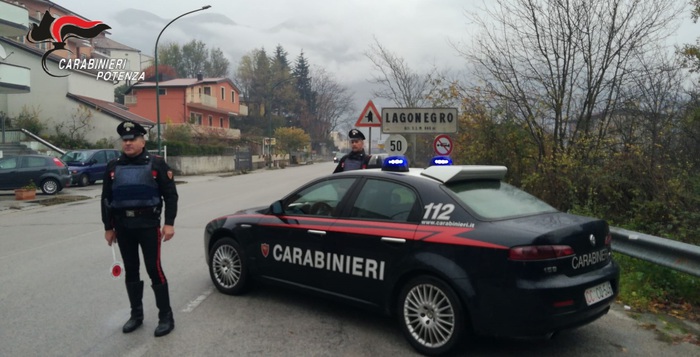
(333, 34)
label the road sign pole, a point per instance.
(370, 140)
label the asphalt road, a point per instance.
(57, 297)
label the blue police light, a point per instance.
(441, 161)
(395, 163)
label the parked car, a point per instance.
(88, 166)
(48, 173)
(448, 250)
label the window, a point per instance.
(319, 199)
(199, 119)
(233, 96)
(207, 90)
(386, 200)
(223, 93)
(100, 157)
(8, 163)
(112, 154)
(193, 118)
(221, 122)
(34, 162)
(498, 200)
(211, 120)
(162, 91)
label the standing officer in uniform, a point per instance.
(356, 159)
(134, 188)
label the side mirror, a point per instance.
(276, 208)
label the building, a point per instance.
(75, 99)
(207, 104)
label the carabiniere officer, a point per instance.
(134, 188)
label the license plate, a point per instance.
(598, 293)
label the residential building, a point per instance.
(14, 78)
(76, 100)
(207, 104)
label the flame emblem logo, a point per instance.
(58, 30)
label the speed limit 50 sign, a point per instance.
(396, 144)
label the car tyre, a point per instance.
(228, 267)
(83, 180)
(431, 316)
(50, 186)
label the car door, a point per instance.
(9, 167)
(371, 237)
(98, 165)
(291, 243)
(32, 168)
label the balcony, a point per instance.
(14, 79)
(13, 20)
(204, 99)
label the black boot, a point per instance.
(166, 323)
(135, 291)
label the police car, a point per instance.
(451, 251)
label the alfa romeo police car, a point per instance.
(449, 250)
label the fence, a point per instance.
(666, 252)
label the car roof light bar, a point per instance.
(395, 163)
(441, 161)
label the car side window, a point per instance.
(9, 163)
(100, 157)
(34, 162)
(385, 200)
(320, 199)
(111, 155)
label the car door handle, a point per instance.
(244, 225)
(393, 240)
(320, 233)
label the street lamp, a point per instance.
(157, 80)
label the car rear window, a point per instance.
(498, 200)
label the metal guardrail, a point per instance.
(672, 254)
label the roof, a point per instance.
(116, 110)
(184, 82)
(209, 109)
(108, 43)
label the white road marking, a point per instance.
(194, 303)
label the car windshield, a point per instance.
(74, 156)
(498, 200)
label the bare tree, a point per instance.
(398, 82)
(558, 66)
(333, 103)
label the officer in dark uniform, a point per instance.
(134, 188)
(356, 159)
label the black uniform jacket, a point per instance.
(360, 156)
(164, 178)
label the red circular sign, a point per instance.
(442, 145)
(116, 270)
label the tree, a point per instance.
(332, 103)
(193, 58)
(691, 53)
(558, 67)
(217, 65)
(291, 139)
(397, 81)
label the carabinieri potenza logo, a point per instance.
(58, 30)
